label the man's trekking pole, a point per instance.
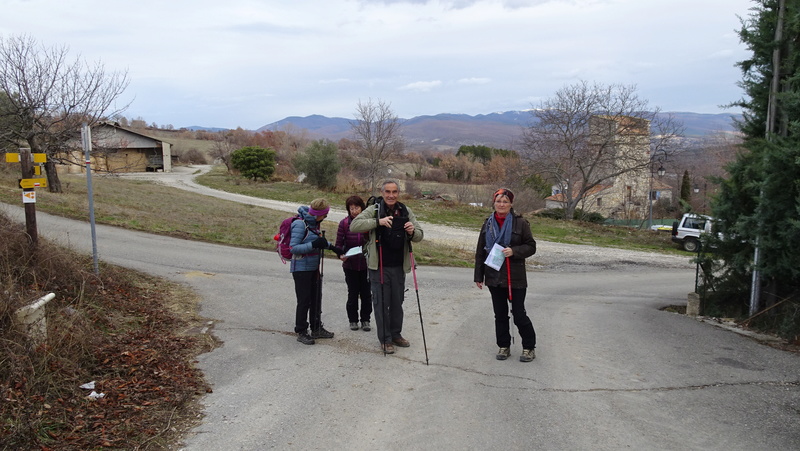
(384, 309)
(419, 307)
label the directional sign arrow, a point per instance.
(33, 183)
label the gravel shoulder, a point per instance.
(550, 256)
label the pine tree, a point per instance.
(760, 200)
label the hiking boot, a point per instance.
(365, 326)
(388, 348)
(321, 333)
(402, 342)
(527, 355)
(503, 353)
(304, 338)
(353, 326)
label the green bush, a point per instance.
(579, 215)
(254, 162)
(320, 163)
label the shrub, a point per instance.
(254, 162)
(193, 156)
(320, 163)
(579, 215)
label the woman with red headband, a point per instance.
(504, 243)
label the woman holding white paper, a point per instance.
(504, 243)
(355, 266)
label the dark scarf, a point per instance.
(497, 234)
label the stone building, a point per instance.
(628, 183)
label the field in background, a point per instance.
(149, 207)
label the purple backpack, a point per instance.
(284, 238)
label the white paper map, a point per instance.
(495, 258)
(353, 251)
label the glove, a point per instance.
(320, 243)
(337, 250)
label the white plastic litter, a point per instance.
(95, 395)
(88, 385)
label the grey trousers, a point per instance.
(387, 299)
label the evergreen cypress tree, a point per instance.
(686, 190)
(760, 200)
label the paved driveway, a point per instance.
(612, 370)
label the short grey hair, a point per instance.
(388, 181)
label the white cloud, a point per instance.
(474, 81)
(421, 86)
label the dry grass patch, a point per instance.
(124, 330)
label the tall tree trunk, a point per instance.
(53, 182)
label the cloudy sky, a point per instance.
(249, 63)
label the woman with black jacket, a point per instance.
(508, 284)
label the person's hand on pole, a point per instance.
(320, 243)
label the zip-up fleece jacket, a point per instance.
(365, 222)
(304, 257)
(523, 245)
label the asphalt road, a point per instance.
(612, 370)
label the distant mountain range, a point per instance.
(501, 130)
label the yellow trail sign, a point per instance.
(33, 183)
(12, 157)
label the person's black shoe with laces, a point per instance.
(321, 333)
(304, 338)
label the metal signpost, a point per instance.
(86, 138)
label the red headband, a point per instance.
(504, 192)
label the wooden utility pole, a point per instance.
(26, 162)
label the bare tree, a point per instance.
(225, 143)
(50, 97)
(377, 132)
(418, 164)
(591, 135)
